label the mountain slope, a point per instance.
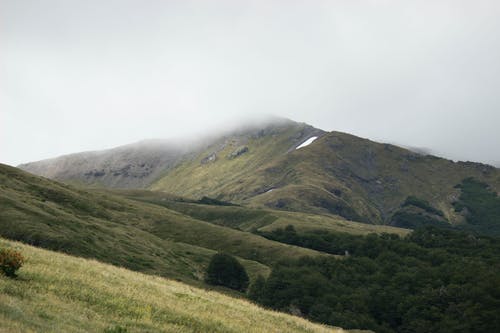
(360, 179)
(139, 165)
(134, 165)
(137, 235)
(336, 174)
(218, 170)
(60, 293)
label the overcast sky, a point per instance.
(94, 74)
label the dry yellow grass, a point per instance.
(61, 293)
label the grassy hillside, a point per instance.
(260, 219)
(138, 165)
(338, 174)
(196, 177)
(60, 293)
(136, 235)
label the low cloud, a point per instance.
(86, 75)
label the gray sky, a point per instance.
(93, 74)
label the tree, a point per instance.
(225, 270)
(257, 291)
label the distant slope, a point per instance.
(130, 166)
(257, 219)
(136, 235)
(362, 180)
(139, 165)
(337, 174)
(60, 293)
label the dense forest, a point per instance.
(481, 206)
(434, 280)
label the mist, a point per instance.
(89, 75)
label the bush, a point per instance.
(10, 261)
(116, 329)
(423, 204)
(225, 270)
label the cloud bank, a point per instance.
(86, 75)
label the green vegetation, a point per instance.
(215, 202)
(252, 219)
(225, 270)
(420, 203)
(59, 293)
(10, 262)
(412, 220)
(329, 242)
(434, 280)
(339, 174)
(481, 206)
(307, 222)
(416, 212)
(136, 235)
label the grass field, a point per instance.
(60, 293)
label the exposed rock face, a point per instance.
(209, 159)
(238, 152)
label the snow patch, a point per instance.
(270, 190)
(307, 142)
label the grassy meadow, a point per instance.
(60, 293)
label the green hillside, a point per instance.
(61, 293)
(337, 174)
(221, 176)
(137, 235)
(257, 219)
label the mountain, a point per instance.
(61, 293)
(140, 164)
(334, 173)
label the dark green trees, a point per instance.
(256, 292)
(225, 270)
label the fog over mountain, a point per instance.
(88, 75)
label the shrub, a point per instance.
(423, 204)
(10, 261)
(116, 329)
(225, 270)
